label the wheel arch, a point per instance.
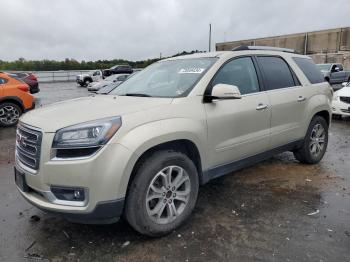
(325, 114)
(186, 146)
(14, 100)
(88, 78)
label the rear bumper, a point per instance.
(34, 88)
(30, 108)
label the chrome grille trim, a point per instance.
(28, 145)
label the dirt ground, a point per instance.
(278, 210)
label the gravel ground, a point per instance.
(278, 210)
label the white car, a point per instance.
(341, 101)
(117, 78)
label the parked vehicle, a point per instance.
(117, 78)
(15, 99)
(341, 101)
(334, 73)
(107, 89)
(118, 69)
(86, 79)
(29, 78)
(146, 147)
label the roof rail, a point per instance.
(271, 48)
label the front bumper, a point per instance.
(104, 175)
(105, 212)
(340, 108)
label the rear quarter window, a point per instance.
(312, 73)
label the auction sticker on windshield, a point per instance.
(193, 70)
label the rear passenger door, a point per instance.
(286, 97)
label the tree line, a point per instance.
(22, 64)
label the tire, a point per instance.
(87, 82)
(313, 149)
(141, 214)
(9, 114)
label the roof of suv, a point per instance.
(221, 54)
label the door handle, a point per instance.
(261, 106)
(301, 99)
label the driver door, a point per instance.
(238, 128)
(337, 74)
(96, 76)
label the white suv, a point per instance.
(148, 145)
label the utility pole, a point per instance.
(209, 37)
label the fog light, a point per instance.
(68, 194)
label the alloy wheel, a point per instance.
(9, 115)
(317, 140)
(168, 194)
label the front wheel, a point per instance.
(9, 114)
(163, 193)
(315, 142)
(87, 82)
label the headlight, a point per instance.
(335, 97)
(89, 134)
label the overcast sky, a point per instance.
(135, 30)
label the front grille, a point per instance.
(28, 146)
(345, 99)
(345, 111)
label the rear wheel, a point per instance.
(315, 142)
(163, 193)
(9, 114)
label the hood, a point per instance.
(62, 114)
(100, 84)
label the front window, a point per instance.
(324, 67)
(172, 78)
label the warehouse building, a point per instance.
(325, 46)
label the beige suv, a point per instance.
(148, 145)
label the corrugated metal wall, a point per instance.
(326, 46)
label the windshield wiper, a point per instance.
(137, 94)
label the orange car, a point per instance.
(15, 99)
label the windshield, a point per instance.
(174, 78)
(324, 67)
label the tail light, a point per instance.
(24, 88)
(33, 77)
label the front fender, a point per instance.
(144, 137)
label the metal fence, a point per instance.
(58, 76)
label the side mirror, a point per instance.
(336, 69)
(224, 91)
